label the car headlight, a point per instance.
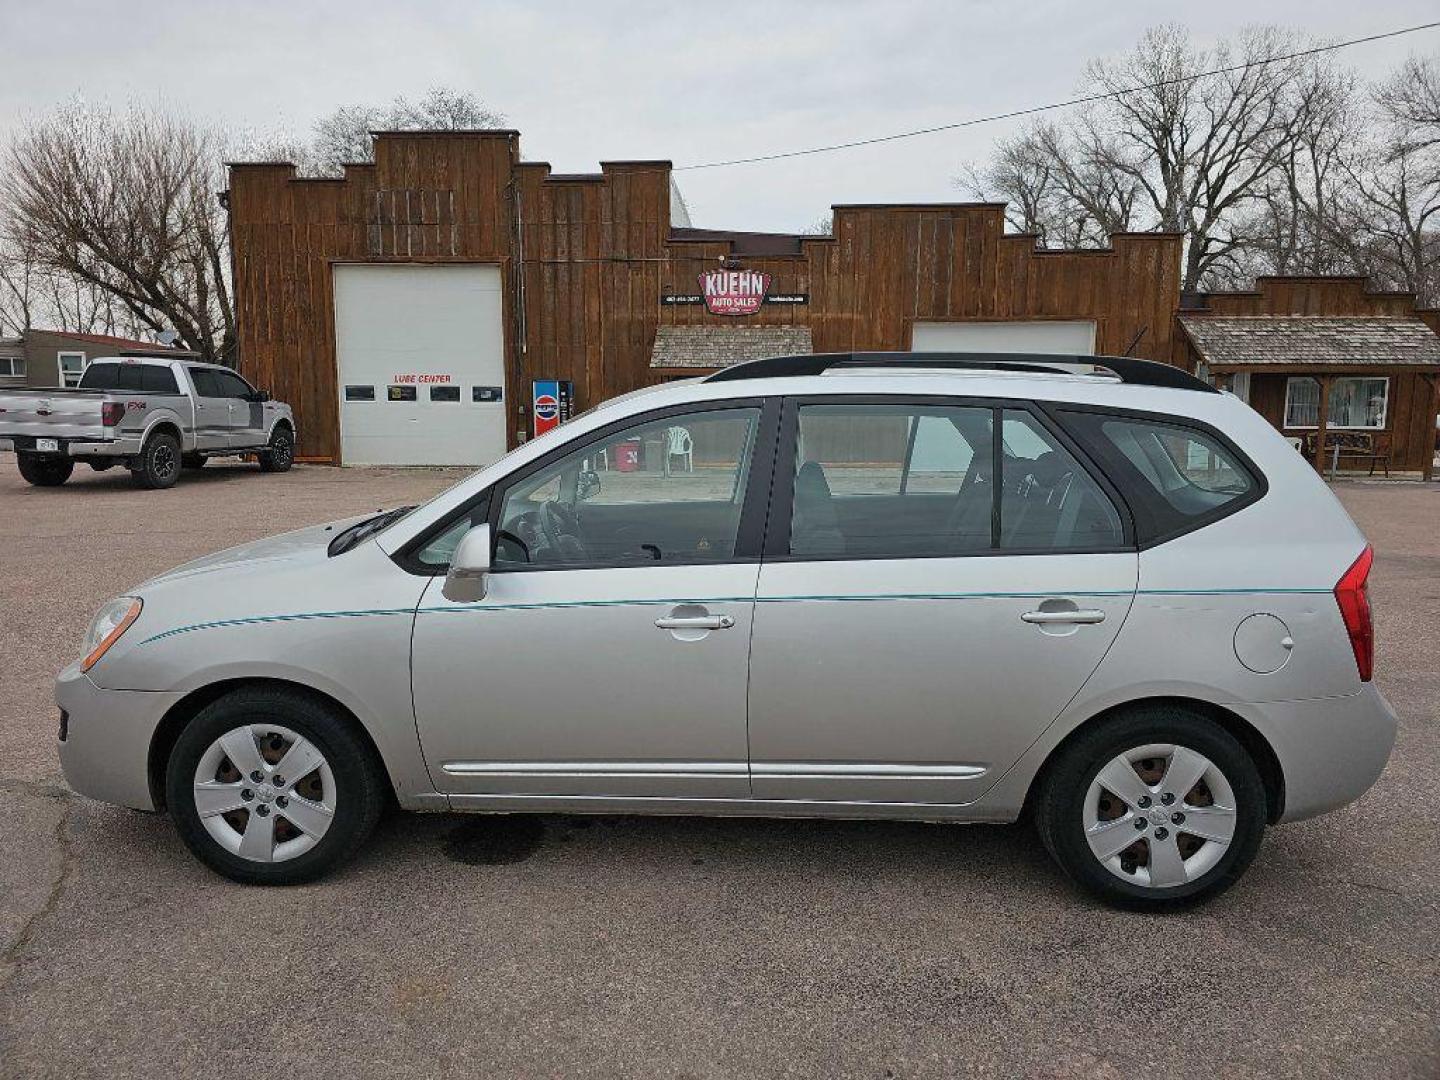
(107, 627)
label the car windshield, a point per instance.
(367, 528)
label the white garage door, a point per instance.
(1070, 338)
(421, 357)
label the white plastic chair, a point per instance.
(679, 444)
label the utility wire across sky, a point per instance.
(1087, 99)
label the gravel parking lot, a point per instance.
(675, 947)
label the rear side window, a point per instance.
(158, 380)
(1176, 477)
(99, 377)
(877, 481)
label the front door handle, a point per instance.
(695, 622)
(1083, 615)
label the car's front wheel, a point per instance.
(1158, 807)
(272, 787)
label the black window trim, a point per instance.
(777, 536)
(753, 511)
(1110, 458)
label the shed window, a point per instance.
(359, 393)
(12, 365)
(444, 393)
(401, 393)
(1355, 403)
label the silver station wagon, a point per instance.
(1091, 592)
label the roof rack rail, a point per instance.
(1126, 368)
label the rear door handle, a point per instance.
(1084, 615)
(695, 622)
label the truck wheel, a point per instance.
(281, 454)
(192, 461)
(44, 471)
(158, 465)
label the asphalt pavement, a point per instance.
(675, 947)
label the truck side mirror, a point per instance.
(588, 486)
(469, 567)
(261, 395)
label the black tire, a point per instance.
(44, 471)
(1060, 805)
(281, 454)
(192, 461)
(158, 465)
(361, 788)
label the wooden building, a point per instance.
(406, 308)
(1352, 377)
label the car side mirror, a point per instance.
(261, 395)
(588, 486)
(469, 567)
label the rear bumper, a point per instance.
(106, 749)
(77, 448)
(1331, 750)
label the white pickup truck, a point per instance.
(154, 415)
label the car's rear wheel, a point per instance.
(44, 471)
(271, 787)
(158, 464)
(1158, 807)
(281, 453)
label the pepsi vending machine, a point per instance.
(552, 403)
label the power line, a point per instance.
(1088, 99)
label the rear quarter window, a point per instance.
(1176, 476)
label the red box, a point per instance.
(627, 456)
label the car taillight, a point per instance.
(1352, 593)
(111, 412)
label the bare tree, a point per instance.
(1172, 147)
(824, 225)
(344, 135)
(1412, 97)
(1390, 220)
(121, 212)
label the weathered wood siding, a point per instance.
(586, 258)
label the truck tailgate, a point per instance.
(43, 413)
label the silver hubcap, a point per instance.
(164, 460)
(264, 793)
(1159, 815)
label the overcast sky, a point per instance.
(632, 79)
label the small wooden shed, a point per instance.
(1354, 381)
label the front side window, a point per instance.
(1356, 403)
(908, 481)
(661, 492)
(232, 385)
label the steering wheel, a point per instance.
(561, 529)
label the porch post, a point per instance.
(1427, 466)
(1320, 422)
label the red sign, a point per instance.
(734, 292)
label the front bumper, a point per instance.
(105, 754)
(1331, 750)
